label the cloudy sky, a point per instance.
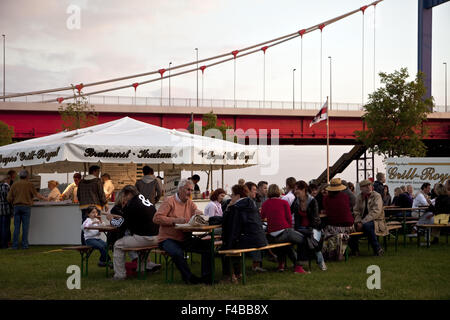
(118, 38)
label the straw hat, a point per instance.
(336, 185)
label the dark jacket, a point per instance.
(442, 205)
(150, 188)
(351, 198)
(138, 217)
(112, 237)
(404, 200)
(312, 212)
(90, 192)
(378, 187)
(242, 227)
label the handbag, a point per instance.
(441, 218)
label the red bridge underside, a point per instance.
(292, 129)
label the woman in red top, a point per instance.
(279, 227)
(339, 220)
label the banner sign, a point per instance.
(416, 171)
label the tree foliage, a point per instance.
(6, 133)
(209, 121)
(78, 114)
(394, 116)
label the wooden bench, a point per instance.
(241, 253)
(85, 252)
(143, 253)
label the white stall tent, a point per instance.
(126, 140)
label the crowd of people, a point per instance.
(317, 220)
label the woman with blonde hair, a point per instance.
(54, 194)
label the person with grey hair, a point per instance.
(378, 185)
(137, 217)
(6, 212)
(179, 209)
(21, 197)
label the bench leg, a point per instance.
(85, 261)
(243, 268)
(385, 243)
(142, 257)
(396, 239)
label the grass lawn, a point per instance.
(411, 273)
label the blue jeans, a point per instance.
(369, 232)
(21, 216)
(5, 231)
(100, 245)
(176, 251)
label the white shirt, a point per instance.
(90, 234)
(212, 209)
(289, 197)
(420, 200)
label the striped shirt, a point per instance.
(5, 207)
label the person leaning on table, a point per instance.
(137, 216)
(21, 197)
(369, 218)
(178, 209)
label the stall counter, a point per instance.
(59, 223)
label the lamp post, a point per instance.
(170, 63)
(4, 36)
(445, 63)
(196, 49)
(293, 89)
(330, 84)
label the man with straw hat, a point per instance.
(369, 217)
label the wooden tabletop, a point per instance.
(197, 228)
(404, 209)
(433, 225)
(103, 228)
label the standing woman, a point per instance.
(307, 221)
(386, 196)
(54, 194)
(241, 228)
(279, 227)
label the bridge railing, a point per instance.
(203, 103)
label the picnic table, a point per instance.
(105, 229)
(206, 229)
(427, 228)
(405, 222)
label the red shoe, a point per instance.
(299, 269)
(280, 267)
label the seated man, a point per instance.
(179, 209)
(137, 217)
(369, 218)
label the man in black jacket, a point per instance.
(137, 217)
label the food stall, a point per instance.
(121, 146)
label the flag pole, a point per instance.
(328, 146)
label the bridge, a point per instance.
(36, 119)
(35, 114)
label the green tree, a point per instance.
(6, 133)
(78, 114)
(394, 116)
(209, 121)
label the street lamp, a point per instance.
(330, 83)
(445, 63)
(4, 66)
(170, 63)
(293, 89)
(196, 49)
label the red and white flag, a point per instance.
(321, 115)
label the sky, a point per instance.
(118, 38)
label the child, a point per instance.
(92, 237)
